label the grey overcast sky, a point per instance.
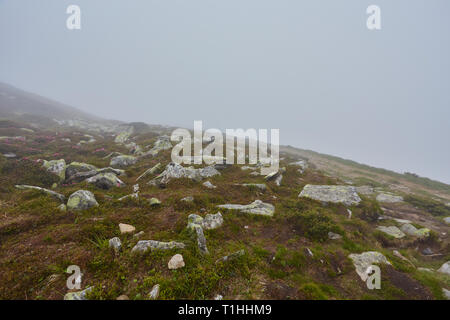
(310, 68)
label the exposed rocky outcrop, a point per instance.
(57, 167)
(106, 181)
(176, 171)
(393, 231)
(123, 161)
(257, 207)
(336, 194)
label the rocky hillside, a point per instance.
(105, 196)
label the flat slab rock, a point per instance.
(54, 194)
(393, 231)
(257, 207)
(335, 194)
(364, 260)
(176, 171)
(144, 245)
(389, 198)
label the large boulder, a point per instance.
(57, 167)
(123, 161)
(77, 167)
(336, 194)
(363, 261)
(257, 207)
(105, 181)
(81, 200)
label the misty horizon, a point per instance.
(380, 98)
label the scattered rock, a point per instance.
(155, 169)
(9, 155)
(57, 167)
(123, 297)
(364, 260)
(123, 136)
(335, 194)
(232, 256)
(176, 262)
(139, 234)
(334, 236)
(212, 221)
(81, 200)
(123, 161)
(163, 143)
(154, 202)
(144, 245)
(77, 167)
(302, 164)
(79, 295)
(115, 244)
(154, 293)
(393, 231)
(260, 186)
(188, 199)
(309, 252)
(126, 228)
(445, 268)
(209, 185)
(257, 207)
(218, 297)
(446, 293)
(390, 198)
(409, 229)
(54, 194)
(176, 171)
(62, 207)
(106, 181)
(427, 252)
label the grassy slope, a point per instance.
(38, 242)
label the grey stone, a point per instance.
(364, 260)
(336, 194)
(115, 243)
(393, 231)
(106, 181)
(257, 207)
(445, 268)
(81, 200)
(144, 245)
(389, 198)
(79, 295)
(54, 194)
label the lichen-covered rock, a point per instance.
(176, 262)
(389, 198)
(154, 202)
(105, 181)
(393, 231)
(123, 136)
(212, 221)
(257, 207)
(163, 143)
(445, 268)
(364, 260)
(409, 229)
(336, 194)
(123, 161)
(365, 190)
(201, 240)
(77, 167)
(115, 244)
(81, 200)
(176, 171)
(79, 295)
(144, 245)
(57, 167)
(188, 199)
(54, 194)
